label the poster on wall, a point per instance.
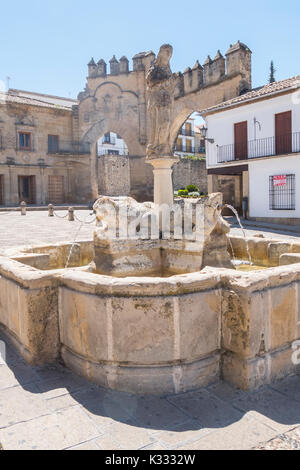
(279, 180)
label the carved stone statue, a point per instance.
(160, 89)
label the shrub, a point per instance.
(183, 192)
(192, 188)
(194, 194)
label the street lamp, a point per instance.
(204, 134)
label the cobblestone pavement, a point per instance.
(51, 408)
(37, 228)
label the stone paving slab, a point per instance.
(52, 408)
(37, 228)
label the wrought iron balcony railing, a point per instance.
(187, 132)
(185, 149)
(267, 147)
(115, 151)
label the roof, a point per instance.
(37, 99)
(258, 93)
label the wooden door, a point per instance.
(56, 193)
(241, 140)
(283, 133)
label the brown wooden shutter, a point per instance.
(283, 133)
(241, 140)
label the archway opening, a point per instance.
(111, 143)
(113, 165)
(190, 142)
(190, 174)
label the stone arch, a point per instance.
(111, 108)
(177, 123)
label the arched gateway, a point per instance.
(118, 101)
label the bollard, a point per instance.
(23, 208)
(50, 210)
(71, 214)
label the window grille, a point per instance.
(282, 192)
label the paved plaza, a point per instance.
(51, 408)
(37, 228)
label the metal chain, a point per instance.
(60, 216)
(85, 221)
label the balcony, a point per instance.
(187, 132)
(185, 149)
(267, 147)
(65, 147)
(191, 150)
(116, 151)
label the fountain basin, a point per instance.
(152, 334)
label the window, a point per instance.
(106, 138)
(53, 143)
(189, 147)
(24, 141)
(282, 192)
(113, 152)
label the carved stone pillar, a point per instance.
(163, 184)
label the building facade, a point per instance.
(112, 144)
(256, 151)
(49, 145)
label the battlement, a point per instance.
(237, 60)
(141, 61)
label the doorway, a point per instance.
(27, 189)
(283, 133)
(241, 140)
(56, 194)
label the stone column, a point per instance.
(163, 184)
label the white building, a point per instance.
(256, 151)
(185, 144)
(112, 144)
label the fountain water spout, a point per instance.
(228, 206)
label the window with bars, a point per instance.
(282, 192)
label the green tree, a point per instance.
(272, 72)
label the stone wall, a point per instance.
(151, 335)
(188, 171)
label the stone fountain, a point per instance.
(154, 304)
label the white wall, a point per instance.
(221, 125)
(259, 172)
(118, 144)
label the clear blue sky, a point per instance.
(45, 45)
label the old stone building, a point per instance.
(48, 145)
